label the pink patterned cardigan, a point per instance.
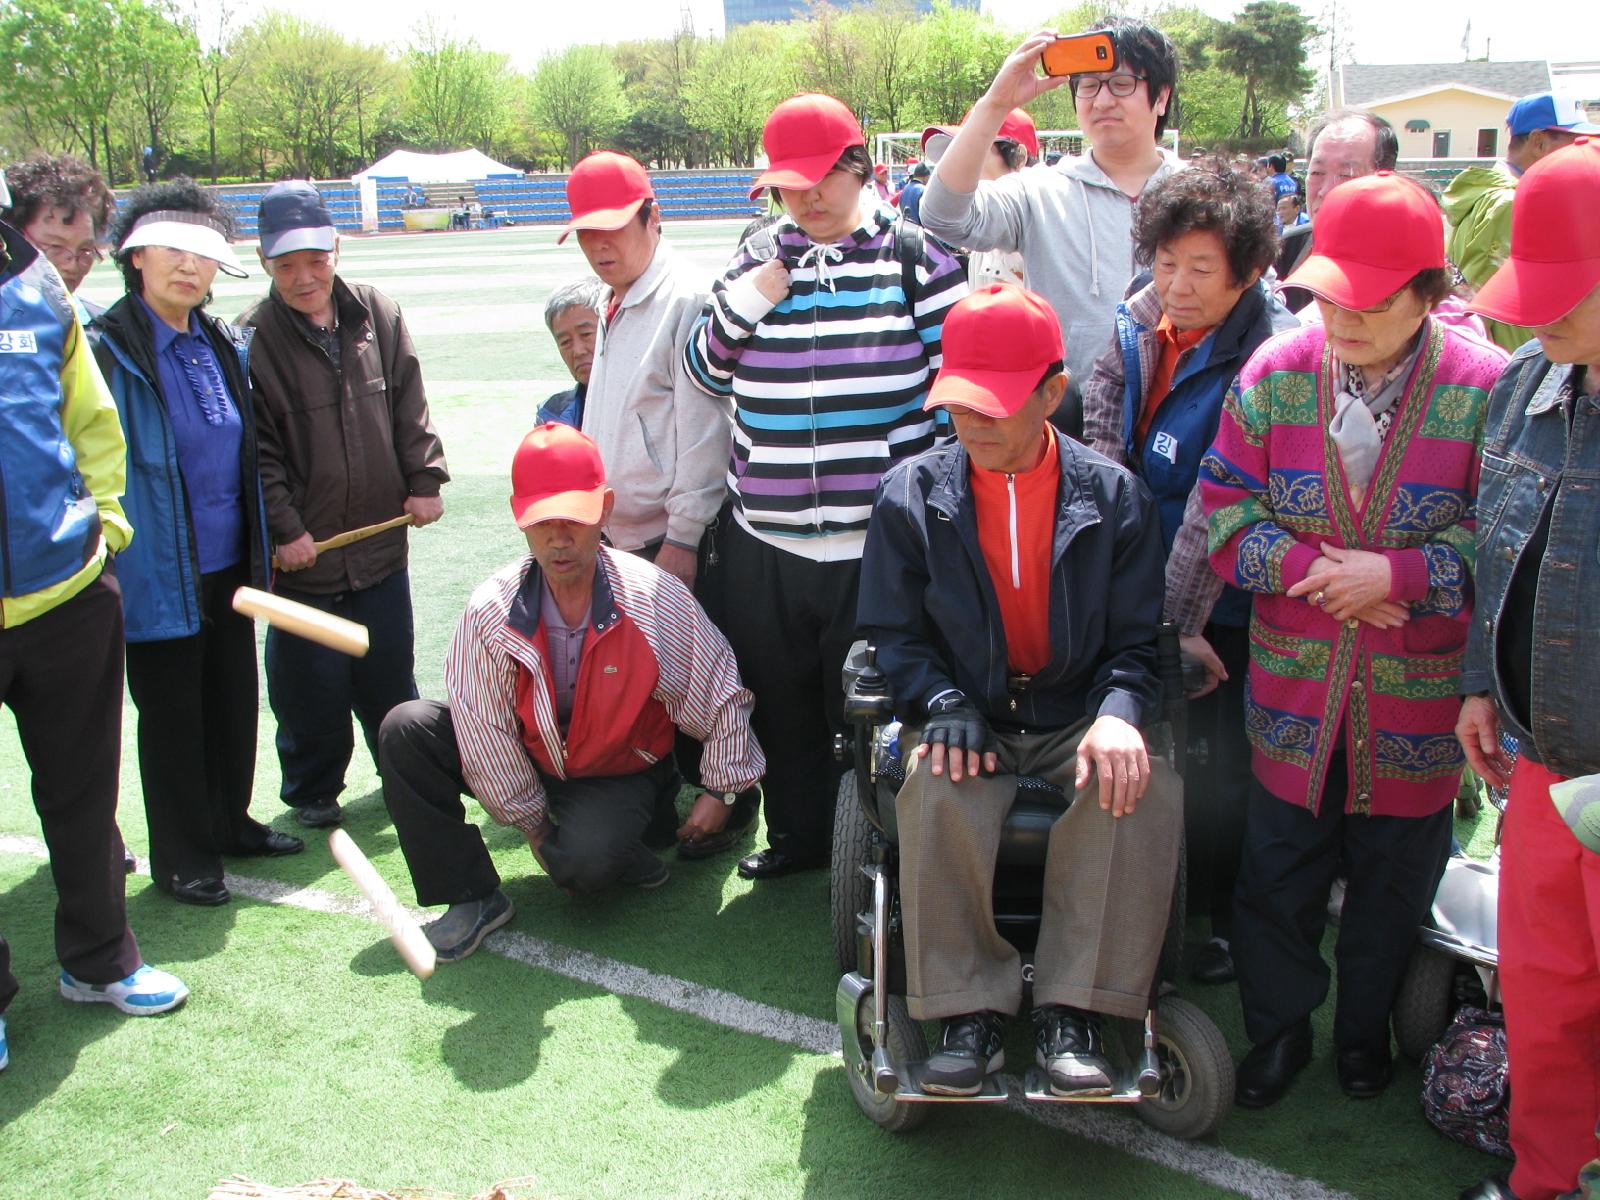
(1275, 491)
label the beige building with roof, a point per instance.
(1443, 110)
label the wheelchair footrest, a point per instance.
(992, 1090)
(1037, 1087)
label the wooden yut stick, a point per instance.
(302, 620)
(355, 535)
(405, 933)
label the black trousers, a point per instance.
(1217, 789)
(790, 622)
(686, 750)
(61, 676)
(313, 689)
(1392, 867)
(600, 822)
(198, 699)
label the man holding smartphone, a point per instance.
(1072, 223)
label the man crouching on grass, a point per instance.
(567, 675)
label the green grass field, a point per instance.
(670, 1044)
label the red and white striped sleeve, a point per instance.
(482, 686)
(699, 678)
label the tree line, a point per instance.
(198, 90)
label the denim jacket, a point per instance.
(1529, 462)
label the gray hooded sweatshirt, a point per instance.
(1074, 229)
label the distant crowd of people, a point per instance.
(1002, 424)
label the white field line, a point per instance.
(1092, 1122)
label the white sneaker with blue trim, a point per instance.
(143, 994)
(5, 1049)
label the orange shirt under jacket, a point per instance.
(1016, 522)
(1173, 343)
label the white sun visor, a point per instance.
(191, 231)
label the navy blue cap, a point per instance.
(292, 217)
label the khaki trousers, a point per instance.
(1108, 885)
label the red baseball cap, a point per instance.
(605, 191)
(1373, 234)
(804, 137)
(1555, 241)
(557, 475)
(997, 341)
(1018, 126)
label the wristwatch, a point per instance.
(728, 798)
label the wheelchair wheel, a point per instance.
(1422, 1009)
(907, 1044)
(1196, 1073)
(849, 891)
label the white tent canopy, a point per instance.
(456, 167)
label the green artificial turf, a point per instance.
(306, 1050)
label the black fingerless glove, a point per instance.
(955, 723)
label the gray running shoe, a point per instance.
(464, 926)
(1070, 1051)
(970, 1048)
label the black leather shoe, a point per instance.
(1213, 964)
(1496, 1187)
(319, 816)
(1268, 1070)
(1363, 1074)
(271, 844)
(713, 844)
(769, 864)
(209, 891)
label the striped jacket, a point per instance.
(1275, 493)
(828, 384)
(497, 648)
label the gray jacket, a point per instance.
(1074, 229)
(664, 441)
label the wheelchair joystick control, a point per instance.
(871, 674)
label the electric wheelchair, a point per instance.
(1174, 1066)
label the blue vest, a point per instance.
(48, 520)
(1185, 423)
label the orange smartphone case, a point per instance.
(1082, 54)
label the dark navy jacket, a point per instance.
(929, 606)
(160, 571)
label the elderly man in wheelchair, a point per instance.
(1011, 589)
